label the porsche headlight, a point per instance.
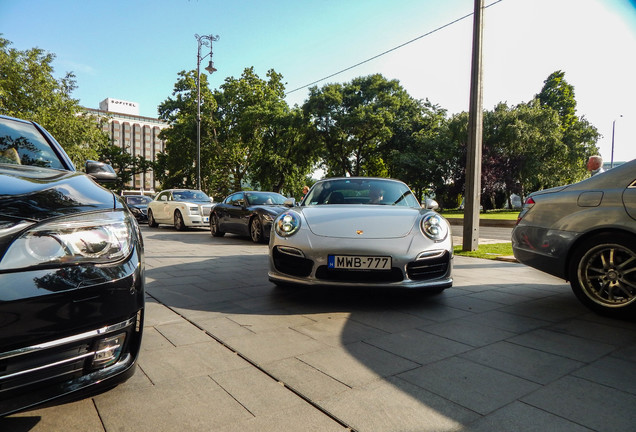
(434, 227)
(287, 224)
(89, 238)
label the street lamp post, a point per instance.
(613, 126)
(207, 41)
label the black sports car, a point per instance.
(138, 205)
(247, 213)
(71, 274)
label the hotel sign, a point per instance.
(119, 106)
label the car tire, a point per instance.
(256, 230)
(152, 223)
(178, 221)
(603, 274)
(215, 229)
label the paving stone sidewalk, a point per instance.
(506, 349)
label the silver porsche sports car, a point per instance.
(361, 231)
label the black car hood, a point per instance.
(35, 194)
(273, 209)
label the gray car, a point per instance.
(360, 231)
(586, 233)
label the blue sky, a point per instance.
(133, 50)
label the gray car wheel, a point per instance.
(178, 221)
(215, 229)
(603, 274)
(256, 230)
(151, 220)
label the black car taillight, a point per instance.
(526, 207)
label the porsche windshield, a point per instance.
(361, 191)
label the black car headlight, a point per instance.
(88, 238)
(435, 227)
(287, 224)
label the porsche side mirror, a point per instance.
(431, 204)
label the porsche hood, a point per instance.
(342, 221)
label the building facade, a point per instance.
(137, 135)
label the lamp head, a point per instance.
(210, 68)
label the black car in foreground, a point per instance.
(248, 213)
(71, 274)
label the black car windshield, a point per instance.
(22, 143)
(264, 198)
(190, 195)
(138, 200)
(361, 191)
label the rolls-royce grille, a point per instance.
(206, 210)
(292, 264)
(360, 276)
(427, 269)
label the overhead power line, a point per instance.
(390, 50)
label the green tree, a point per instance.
(29, 90)
(415, 152)
(578, 135)
(125, 165)
(522, 149)
(176, 167)
(250, 112)
(449, 146)
(354, 122)
(286, 155)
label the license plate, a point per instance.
(206, 219)
(359, 262)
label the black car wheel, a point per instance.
(178, 221)
(214, 226)
(603, 274)
(151, 220)
(256, 230)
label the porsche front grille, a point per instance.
(429, 268)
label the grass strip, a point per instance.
(487, 251)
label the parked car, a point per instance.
(149, 193)
(359, 231)
(71, 274)
(138, 205)
(247, 213)
(182, 208)
(585, 233)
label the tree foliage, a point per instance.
(372, 127)
(249, 136)
(28, 90)
(125, 165)
(353, 123)
(579, 137)
(176, 167)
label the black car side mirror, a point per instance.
(100, 171)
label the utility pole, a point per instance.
(475, 129)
